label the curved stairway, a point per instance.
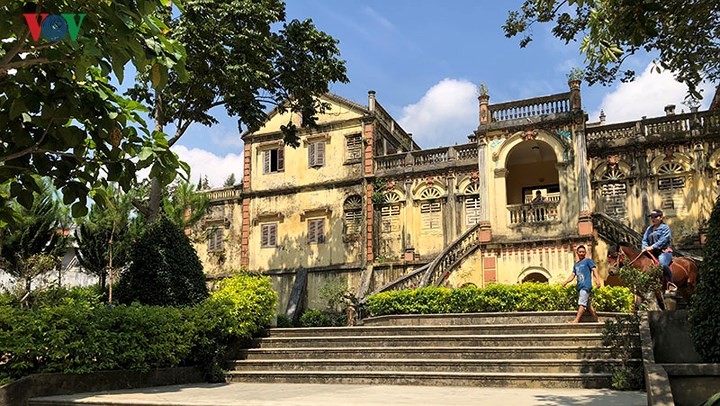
(488, 349)
(435, 272)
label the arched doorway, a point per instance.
(532, 182)
(535, 277)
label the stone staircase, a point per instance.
(530, 350)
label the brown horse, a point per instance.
(684, 270)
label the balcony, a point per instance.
(427, 159)
(222, 194)
(667, 128)
(533, 213)
(520, 113)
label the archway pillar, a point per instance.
(483, 185)
(500, 202)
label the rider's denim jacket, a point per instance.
(660, 238)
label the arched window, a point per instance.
(430, 210)
(614, 193)
(352, 215)
(671, 186)
(472, 204)
(390, 213)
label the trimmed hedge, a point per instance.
(495, 298)
(77, 336)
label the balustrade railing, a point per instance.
(441, 267)
(409, 281)
(224, 194)
(431, 156)
(688, 123)
(465, 152)
(539, 106)
(533, 213)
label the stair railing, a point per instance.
(441, 267)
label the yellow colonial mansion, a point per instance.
(360, 201)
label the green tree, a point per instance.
(705, 328)
(185, 206)
(244, 56)
(165, 269)
(104, 239)
(59, 115)
(684, 35)
(230, 181)
(34, 242)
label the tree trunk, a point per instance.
(155, 187)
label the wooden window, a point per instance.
(316, 154)
(215, 240)
(390, 218)
(430, 215)
(614, 197)
(672, 193)
(353, 144)
(353, 215)
(274, 160)
(316, 231)
(472, 210)
(268, 235)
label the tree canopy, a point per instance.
(685, 35)
(59, 115)
(242, 55)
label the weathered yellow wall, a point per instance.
(220, 263)
(336, 112)
(293, 251)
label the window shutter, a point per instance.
(320, 231)
(272, 235)
(281, 159)
(311, 232)
(311, 154)
(320, 154)
(266, 161)
(264, 239)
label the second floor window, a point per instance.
(316, 154)
(430, 215)
(354, 147)
(268, 235)
(316, 231)
(215, 240)
(273, 160)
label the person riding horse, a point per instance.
(656, 241)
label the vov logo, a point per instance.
(53, 27)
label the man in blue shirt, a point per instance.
(657, 240)
(584, 270)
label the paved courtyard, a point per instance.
(272, 394)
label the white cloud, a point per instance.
(217, 168)
(445, 115)
(384, 22)
(647, 96)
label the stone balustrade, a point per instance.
(226, 193)
(525, 109)
(687, 125)
(533, 213)
(427, 158)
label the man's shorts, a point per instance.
(583, 298)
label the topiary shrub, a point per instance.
(165, 269)
(704, 324)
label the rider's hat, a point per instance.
(655, 213)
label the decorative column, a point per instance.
(245, 228)
(585, 226)
(483, 196)
(485, 225)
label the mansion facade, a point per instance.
(359, 201)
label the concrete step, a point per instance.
(518, 380)
(433, 365)
(436, 352)
(522, 318)
(539, 340)
(477, 329)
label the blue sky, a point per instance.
(425, 59)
